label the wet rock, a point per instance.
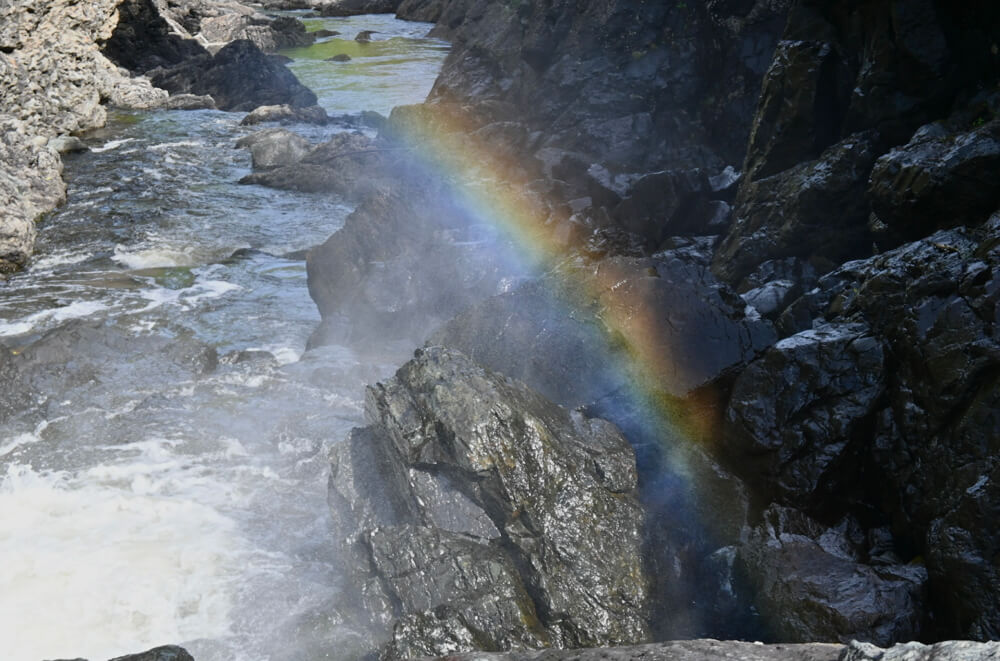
(165, 653)
(272, 148)
(348, 164)
(493, 487)
(286, 114)
(466, 585)
(343, 57)
(797, 113)
(364, 36)
(771, 298)
(665, 204)
(810, 584)
(320, 34)
(937, 181)
(794, 412)
(683, 326)
(816, 208)
(239, 77)
(678, 650)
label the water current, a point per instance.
(141, 502)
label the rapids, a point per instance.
(147, 505)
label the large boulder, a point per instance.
(358, 7)
(795, 412)
(273, 148)
(239, 77)
(814, 209)
(811, 582)
(526, 513)
(348, 164)
(939, 179)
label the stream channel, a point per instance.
(143, 503)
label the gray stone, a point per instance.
(272, 148)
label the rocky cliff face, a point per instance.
(848, 417)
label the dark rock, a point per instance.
(272, 148)
(500, 485)
(358, 7)
(665, 204)
(810, 584)
(286, 114)
(816, 208)
(938, 181)
(688, 650)
(343, 57)
(364, 36)
(800, 107)
(794, 412)
(320, 34)
(239, 77)
(166, 653)
(143, 40)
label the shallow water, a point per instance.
(144, 504)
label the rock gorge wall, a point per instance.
(828, 304)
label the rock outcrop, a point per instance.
(48, 92)
(240, 77)
(478, 515)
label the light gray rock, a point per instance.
(272, 148)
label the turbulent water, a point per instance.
(144, 504)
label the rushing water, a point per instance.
(143, 504)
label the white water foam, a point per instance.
(149, 565)
(149, 258)
(163, 146)
(75, 310)
(111, 144)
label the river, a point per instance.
(143, 502)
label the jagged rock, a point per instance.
(165, 653)
(814, 208)
(810, 583)
(30, 185)
(272, 148)
(679, 650)
(797, 115)
(143, 40)
(266, 32)
(490, 471)
(239, 77)
(679, 323)
(938, 180)
(949, 650)
(932, 305)
(285, 114)
(794, 412)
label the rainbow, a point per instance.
(631, 330)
